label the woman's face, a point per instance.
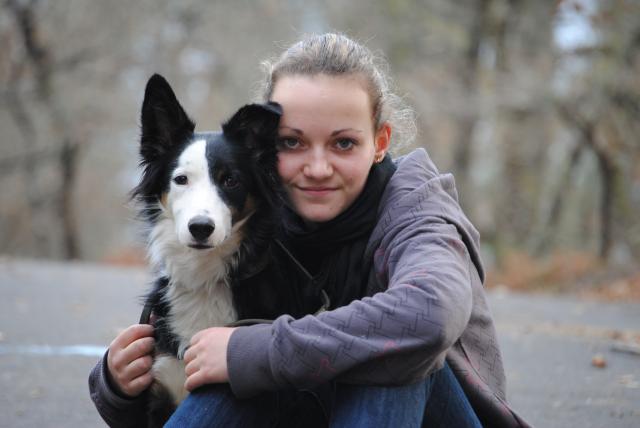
(327, 142)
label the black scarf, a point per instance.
(333, 251)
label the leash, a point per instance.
(145, 316)
(252, 321)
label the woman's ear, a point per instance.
(382, 141)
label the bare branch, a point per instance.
(10, 164)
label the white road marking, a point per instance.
(48, 350)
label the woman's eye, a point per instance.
(229, 182)
(345, 143)
(288, 143)
(180, 180)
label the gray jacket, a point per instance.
(428, 304)
(431, 306)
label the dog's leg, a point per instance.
(167, 391)
(160, 407)
(169, 371)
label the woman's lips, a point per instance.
(317, 191)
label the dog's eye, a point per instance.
(229, 181)
(180, 180)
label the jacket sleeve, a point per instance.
(116, 410)
(397, 336)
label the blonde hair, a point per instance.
(338, 55)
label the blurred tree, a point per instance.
(534, 105)
(43, 69)
(34, 61)
(600, 107)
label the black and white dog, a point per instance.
(209, 199)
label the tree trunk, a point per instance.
(39, 56)
(466, 123)
(68, 162)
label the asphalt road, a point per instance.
(56, 319)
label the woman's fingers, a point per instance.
(120, 359)
(206, 358)
(131, 334)
(191, 368)
(189, 354)
(129, 359)
(138, 348)
(138, 367)
(125, 348)
(139, 384)
(135, 377)
(195, 380)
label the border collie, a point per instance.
(208, 198)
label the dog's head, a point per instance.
(202, 184)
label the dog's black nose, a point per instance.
(201, 227)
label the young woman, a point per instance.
(409, 339)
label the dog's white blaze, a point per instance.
(199, 197)
(199, 294)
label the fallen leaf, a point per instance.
(599, 361)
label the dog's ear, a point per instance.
(254, 125)
(164, 121)
(253, 131)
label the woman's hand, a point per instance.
(206, 358)
(129, 360)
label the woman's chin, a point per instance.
(317, 215)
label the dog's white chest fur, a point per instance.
(192, 310)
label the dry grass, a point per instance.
(129, 256)
(566, 272)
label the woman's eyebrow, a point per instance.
(295, 130)
(338, 131)
(333, 134)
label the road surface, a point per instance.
(57, 318)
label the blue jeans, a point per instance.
(437, 401)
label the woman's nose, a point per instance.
(318, 166)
